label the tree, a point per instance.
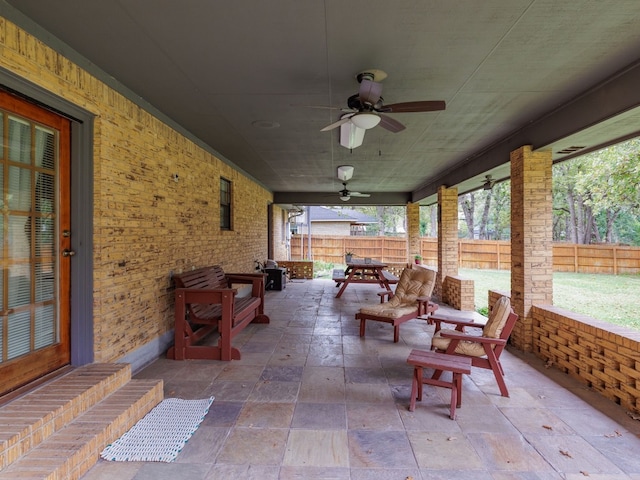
(429, 221)
(500, 217)
(467, 203)
(593, 191)
(487, 212)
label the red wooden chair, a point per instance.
(485, 349)
(411, 299)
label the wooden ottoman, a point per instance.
(438, 361)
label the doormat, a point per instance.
(162, 434)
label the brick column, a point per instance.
(413, 231)
(531, 239)
(447, 237)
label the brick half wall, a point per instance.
(458, 293)
(603, 356)
(600, 355)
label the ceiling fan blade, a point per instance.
(424, 106)
(358, 194)
(391, 124)
(344, 119)
(369, 92)
(327, 107)
(323, 107)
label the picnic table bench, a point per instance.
(205, 301)
(339, 277)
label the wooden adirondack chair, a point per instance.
(485, 349)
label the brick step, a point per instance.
(72, 450)
(30, 419)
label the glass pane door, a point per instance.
(32, 328)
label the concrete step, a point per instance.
(58, 430)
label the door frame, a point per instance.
(82, 335)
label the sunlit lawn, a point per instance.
(612, 298)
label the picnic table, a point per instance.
(364, 271)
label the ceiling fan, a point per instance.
(366, 108)
(345, 172)
(488, 183)
(346, 194)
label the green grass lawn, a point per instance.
(612, 298)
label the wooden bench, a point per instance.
(425, 359)
(204, 302)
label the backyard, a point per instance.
(611, 298)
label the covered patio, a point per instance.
(312, 399)
(175, 159)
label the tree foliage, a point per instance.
(595, 199)
(486, 214)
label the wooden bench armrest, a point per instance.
(458, 323)
(455, 321)
(471, 338)
(258, 280)
(246, 277)
(384, 293)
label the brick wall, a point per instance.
(413, 230)
(600, 355)
(298, 268)
(459, 292)
(280, 235)
(531, 238)
(447, 236)
(145, 224)
(603, 356)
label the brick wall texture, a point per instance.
(145, 224)
(447, 236)
(459, 293)
(602, 356)
(280, 234)
(531, 238)
(413, 230)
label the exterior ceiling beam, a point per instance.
(615, 96)
(323, 198)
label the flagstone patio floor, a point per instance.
(310, 399)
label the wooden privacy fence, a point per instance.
(480, 254)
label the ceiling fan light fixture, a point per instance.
(345, 198)
(345, 172)
(350, 135)
(365, 120)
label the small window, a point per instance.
(225, 204)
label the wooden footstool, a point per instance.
(438, 361)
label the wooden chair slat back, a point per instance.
(207, 277)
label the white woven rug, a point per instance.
(161, 434)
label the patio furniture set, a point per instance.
(207, 299)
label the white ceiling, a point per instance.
(544, 72)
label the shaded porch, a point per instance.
(311, 399)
